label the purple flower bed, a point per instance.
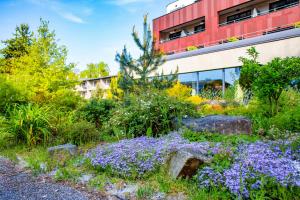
(135, 157)
(251, 162)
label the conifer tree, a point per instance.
(136, 72)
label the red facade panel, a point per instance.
(214, 33)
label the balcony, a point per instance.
(253, 9)
(184, 30)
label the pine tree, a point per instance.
(136, 72)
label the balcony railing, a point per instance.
(181, 36)
(259, 14)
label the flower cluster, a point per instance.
(252, 161)
(135, 157)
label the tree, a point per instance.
(95, 70)
(15, 47)
(136, 72)
(42, 70)
(273, 78)
(249, 73)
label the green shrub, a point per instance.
(97, 111)
(232, 39)
(191, 48)
(151, 113)
(30, 124)
(297, 25)
(6, 138)
(9, 95)
(66, 100)
(79, 133)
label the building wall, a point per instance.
(230, 58)
(89, 86)
(214, 33)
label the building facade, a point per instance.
(205, 38)
(89, 85)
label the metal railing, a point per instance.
(181, 36)
(260, 14)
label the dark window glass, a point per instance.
(239, 16)
(199, 28)
(175, 35)
(281, 4)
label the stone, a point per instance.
(177, 196)
(127, 192)
(69, 148)
(219, 124)
(185, 162)
(85, 178)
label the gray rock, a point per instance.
(85, 178)
(158, 196)
(185, 162)
(219, 124)
(127, 192)
(69, 148)
(177, 196)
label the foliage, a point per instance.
(191, 48)
(179, 91)
(114, 91)
(95, 70)
(135, 73)
(30, 124)
(41, 69)
(249, 72)
(80, 133)
(197, 100)
(138, 157)
(257, 166)
(273, 78)
(97, 111)
(150, 113)
(232, 39)
(66, 100)
(9, 95)
(297, 25)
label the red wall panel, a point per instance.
(214, 33)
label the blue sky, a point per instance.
(92, 30)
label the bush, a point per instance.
(151, 113)
(179, 91)
(30, 124)
(191, 48)
(232, 39)
(66, 100)
(79, 133)
(97, 111)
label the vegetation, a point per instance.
(95, 70)
(135, 116)
(191, 48)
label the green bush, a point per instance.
(9, 95)
(79, 133)
(97, 111)
(191, 48)
(30, 124)
(151, 113)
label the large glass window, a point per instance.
(232, 75)
(189, 79)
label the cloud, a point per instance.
(127, 2)
(62, 9)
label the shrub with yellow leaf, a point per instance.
(179, 91)
(196, 100)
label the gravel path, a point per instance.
(16, 184)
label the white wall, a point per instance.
(178, 4)
(230, 58)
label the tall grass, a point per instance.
(30, 124)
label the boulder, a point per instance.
(185, 162)
(65, 148)
(219, 124)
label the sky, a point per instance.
(92, 30)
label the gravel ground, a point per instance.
(16, 184)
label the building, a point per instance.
(205, 38)
(89, 85)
